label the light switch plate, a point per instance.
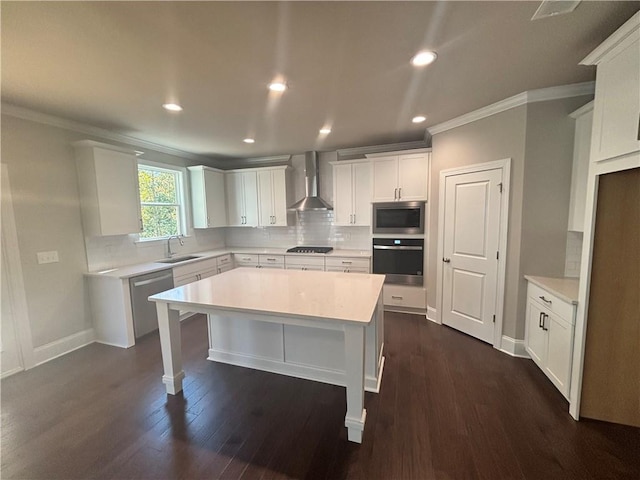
(48, 257)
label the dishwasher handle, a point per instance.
(152, 280)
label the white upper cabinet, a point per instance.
(273, 196)
(581, 149)
(208, 197)
(108, 187)
(400, 177)
(352, 193)
(616, 113)
(242, 198)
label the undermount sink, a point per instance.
(178, 259)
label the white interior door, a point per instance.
(470, 247)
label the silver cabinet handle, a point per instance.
(208, 221)
(541, 297)
(354, 218)
(540, 319)
(544, 318)
(446, 260)
(397, 297)
(346, 262)
(271, 259)
(399, 193)
(395, 193)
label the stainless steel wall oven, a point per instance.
(400, 259)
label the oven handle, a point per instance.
(398, 247)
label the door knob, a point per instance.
(446, 260)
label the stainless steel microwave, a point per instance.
(398, 217)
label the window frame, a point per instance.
(181, 194)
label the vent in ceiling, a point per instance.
(551, 8)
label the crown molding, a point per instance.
(615, 39)
(362, 151)
(54, 121)
(531, 96)
(587, 107)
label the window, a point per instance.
(162, 201)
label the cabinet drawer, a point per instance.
(551, 302)
(224, 260)
(245, 259)
(347, 262)
(195, 267)
(271, 260)
(316, 268)
(400, 296)
(304, 260)
(225, 268)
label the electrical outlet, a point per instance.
(48, 257)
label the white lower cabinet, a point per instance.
(347, 265)
(258, 260)
(404, 298)
(304, 262)
(549, 335)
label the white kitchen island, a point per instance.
(322, 326)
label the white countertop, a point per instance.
(565, 288)
(327, 295)
(150, 267)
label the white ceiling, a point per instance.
(112, 65)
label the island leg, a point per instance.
(354, 359)
(169, 326)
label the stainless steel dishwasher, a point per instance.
(145, 317)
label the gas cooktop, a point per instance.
(310, 250)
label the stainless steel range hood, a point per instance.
(311, 200)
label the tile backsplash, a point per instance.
(313, 228)
(573, 255)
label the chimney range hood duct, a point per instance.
(311, 200)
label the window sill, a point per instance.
(149, 241)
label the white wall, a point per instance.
(41, 167)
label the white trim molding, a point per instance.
(531, 96)
(65, 345)
(630, 26)
(432, 314)
(13, 268)
(54, 121)
(391, 147)
(514, 347)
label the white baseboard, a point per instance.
(63, 346)
(432, 314)
(513, 347)
(306, 372)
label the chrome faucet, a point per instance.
(179, 238)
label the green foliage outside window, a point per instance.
(159, 196)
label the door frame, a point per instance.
(505, 166)
(11, 264)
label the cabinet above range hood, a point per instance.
(311, 200)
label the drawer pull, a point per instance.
(246, 259)
(271, 259)
(344, 262)
(544, 299)
(396, 297)
(544, 317)
(540, 320)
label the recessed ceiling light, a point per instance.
(424, 58)
(278, 86)
(418, 119)
(249, 140)
(172, 107)
(325, 130)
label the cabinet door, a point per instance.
(118, 196)
(412, 177)
(616, 119)
(343, 194)
(235, 199)
(580, 168)
(559, 351)
(279, 197)
(250, 184)
(265, 198)
(385, 179)
(536, 337)
(216, 212)
(361, 175)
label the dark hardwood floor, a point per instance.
(450, 407)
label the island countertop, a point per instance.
(324, 295)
